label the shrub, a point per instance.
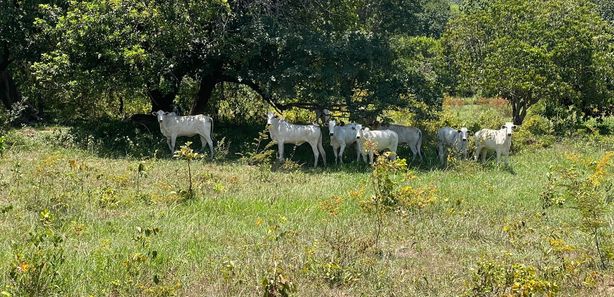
(588, 186)
(538, 125)
(259, 153)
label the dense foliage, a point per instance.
(71, 59)
(335, 53)
(559, 51)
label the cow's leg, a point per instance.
(335, 153)
(280, 149)
(419, 149)
(371, 157)
(341, 149)
(484, 153)
(207, 138)
(168, 142)
(476, 155)
(440, 151)
(357, 152)
(498, 156)
(173, 139)
(316, 153)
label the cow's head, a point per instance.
(325, 115)
(360, 130)
(509, 126)
(160, 115)
(270, 116)
(331, 127)
(463, 133)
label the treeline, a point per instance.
(71, 59)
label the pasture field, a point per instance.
(76, 221)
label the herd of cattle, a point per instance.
(366, 141)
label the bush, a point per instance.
(538, 125)
(535, 132)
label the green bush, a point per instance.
(537, 125)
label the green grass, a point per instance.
(239, 210)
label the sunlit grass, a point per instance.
(237, 207)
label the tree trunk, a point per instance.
(207, 85)
(160, 100)
(8, 90)
(519, 111)
(211, 76)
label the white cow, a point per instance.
(172, 126)
(284, 132)
(341, 136)
(376, 139)
(451, 138)
(498, 140)
(411, 136)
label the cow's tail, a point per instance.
(419, 144)
(321, 148)
(211, 135)
(211, 129)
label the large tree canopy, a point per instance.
(559, 51)
(323, 53)
(19, 45)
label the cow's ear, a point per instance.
(514, 127)
(459, 131)
(153, 113)
(342, 123)
(503, 127)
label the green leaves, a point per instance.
(525, 53)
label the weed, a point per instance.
(222, 150)
(257, 153)
(496, 278)
(590, 190)
(187, 153)
(141, 272)
(2, 145)
(276, 282)
(35, 269)
(140, 173)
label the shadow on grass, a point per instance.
(114, 138)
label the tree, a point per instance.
(325, 53)
(559, 51)
(18, 45)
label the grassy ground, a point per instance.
(124, 233)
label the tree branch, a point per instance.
(265, 95)
(278, 106)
